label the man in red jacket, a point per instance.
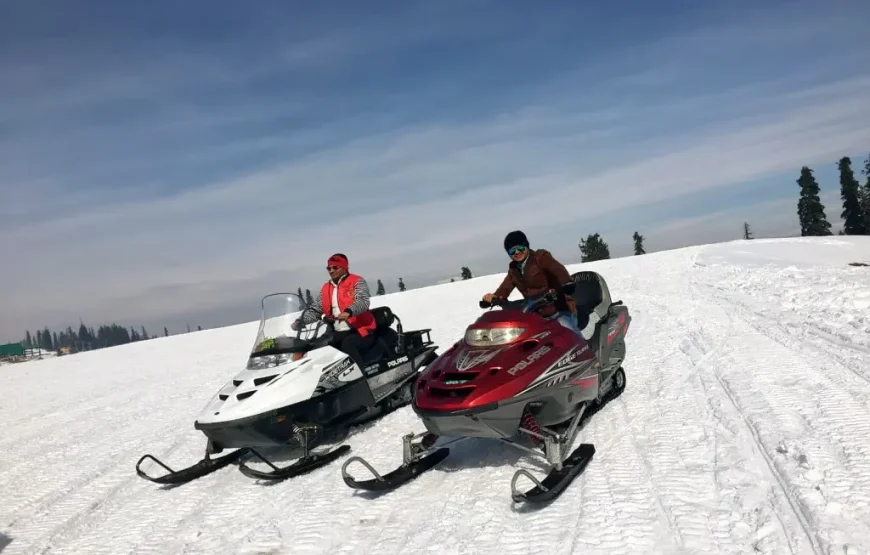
(344, 300)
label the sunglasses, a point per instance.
(332, 268)
(513, 250)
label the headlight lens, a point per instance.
(270, 361)
(481, 337)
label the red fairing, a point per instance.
(466, 377)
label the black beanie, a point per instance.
(515, 238)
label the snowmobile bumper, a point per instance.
(492, 421)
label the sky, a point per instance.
(164, 163)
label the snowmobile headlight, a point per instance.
(482, 337)
(270, 361)
(288, 357)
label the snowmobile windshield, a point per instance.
(281, 330)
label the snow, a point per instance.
(744, 428)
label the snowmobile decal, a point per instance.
(398, 361)
(570, 356)
(472, 358)
(525, 363)
(617, 328)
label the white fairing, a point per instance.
(274, 381)
(294, 382)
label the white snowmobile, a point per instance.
(298, 391)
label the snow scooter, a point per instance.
(517, 376)
(298, 391)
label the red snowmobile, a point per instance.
(516, 377)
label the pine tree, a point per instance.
(811, 211)
(165, 332)
(452, 280)
(638, 243)
(747, 233)
(865, 196)
(55, 341)
(188, 327)
(46, 340)
(850, 193)
(466, 273)
(381, 289)
(593, 248)
(198, 328)
(145, 336)
(28, 339)
(401, 285)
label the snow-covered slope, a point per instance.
(744, 428)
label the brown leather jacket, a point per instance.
(541, 273)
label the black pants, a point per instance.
(352, 343)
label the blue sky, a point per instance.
(164, 162)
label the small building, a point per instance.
(11, 351)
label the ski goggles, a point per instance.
(518, 248)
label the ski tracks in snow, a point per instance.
(743, 429)
(807, 412)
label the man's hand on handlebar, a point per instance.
(489, 300)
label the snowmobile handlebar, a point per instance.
(530, 305)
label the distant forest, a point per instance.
(87, 339)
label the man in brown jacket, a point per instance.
(534, 273)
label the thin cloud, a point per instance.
(202, 202)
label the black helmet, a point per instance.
(515, 238)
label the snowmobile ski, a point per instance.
(395, 478)
(303, 465)
(556, 480)
(204, 467)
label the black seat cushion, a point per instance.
(383, 317)
(386, 338)
(587, 295)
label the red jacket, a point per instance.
(364, 322)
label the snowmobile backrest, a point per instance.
(591, 294)
(384, 317)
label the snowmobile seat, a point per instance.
(591, 295)
(386, 338)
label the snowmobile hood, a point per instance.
(256, 391)
(469, 377)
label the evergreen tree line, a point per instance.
(87, 339)
(854, 196)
